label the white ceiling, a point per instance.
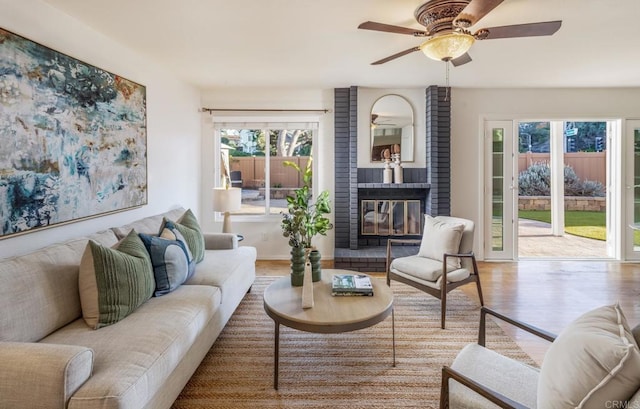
(316, 43)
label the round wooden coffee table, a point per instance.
(330, 314)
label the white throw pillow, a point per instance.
(440, 237)
(594, 363)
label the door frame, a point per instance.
(509, 186)
(619, 202)
(628, 164)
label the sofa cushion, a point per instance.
(189, 228)
(169, 260)
(233, 271)
(148, 225)
(440, 237)
(593, 362)
(113, 282)
(39, 291)
(135, 356)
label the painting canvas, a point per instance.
(72, 138)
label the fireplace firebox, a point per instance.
(390, 217)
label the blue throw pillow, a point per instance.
(171, 232)
(169, 260)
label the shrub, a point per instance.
(536, 181)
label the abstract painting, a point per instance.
(73, 138)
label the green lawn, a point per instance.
(579, 223)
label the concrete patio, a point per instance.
(536, 241)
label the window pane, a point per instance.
(253, 160)
(497, 197)
(246, 150)
(286, 145)
(534, 137)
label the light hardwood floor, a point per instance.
(547, 294)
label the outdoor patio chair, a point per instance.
(444, 262)
(236, 178)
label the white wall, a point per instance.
(471, 107)
(173, 122)
(264, 232)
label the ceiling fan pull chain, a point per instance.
(446, 77)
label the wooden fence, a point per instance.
(587, 165)
(252, 171)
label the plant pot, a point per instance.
(297, 266)
(316, 269)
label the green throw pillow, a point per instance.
(188, 226)
(114, 281)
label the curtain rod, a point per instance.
(210, 110)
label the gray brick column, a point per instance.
(438, 115)
(345, 167)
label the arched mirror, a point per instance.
(392, 123)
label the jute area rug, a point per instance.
(349, 370)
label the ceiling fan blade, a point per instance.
(388, 28)
(474, 11)
(394, 56)
(546, 28)
(463, 59)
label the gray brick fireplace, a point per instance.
(429, 186)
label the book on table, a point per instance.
(351, 284)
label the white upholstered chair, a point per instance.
(444, 262)
(594, 363)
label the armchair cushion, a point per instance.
(593, 362)
(426, 269)
(440, 237)
(511, 378)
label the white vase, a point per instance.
(387, 173)
(307, 285)
(397, 171)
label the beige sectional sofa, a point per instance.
(50, 358)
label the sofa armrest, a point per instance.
(38, 375)
(220, 241)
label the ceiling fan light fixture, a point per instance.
(447, 47)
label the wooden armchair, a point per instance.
(472, 376)
(445, 260)
(593, 363)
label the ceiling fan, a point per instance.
(447, 25)
(376, 120)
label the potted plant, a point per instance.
(303, 220)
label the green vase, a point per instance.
(297, 266)
(316, 270)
